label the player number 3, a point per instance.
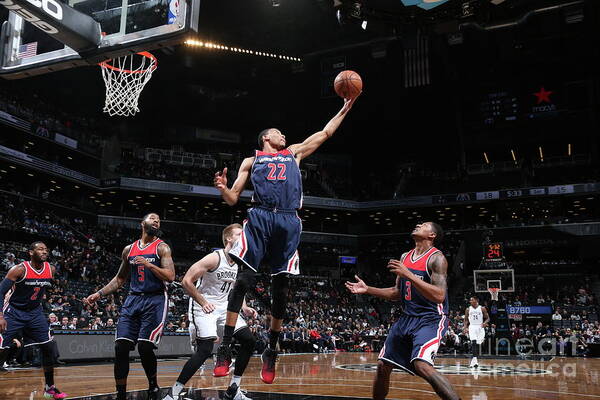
(408, 295)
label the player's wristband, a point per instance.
(100, 293)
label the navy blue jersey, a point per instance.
(415, 304)
(28, 292)
(143, 279)
(277, 180)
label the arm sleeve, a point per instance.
(5, 286)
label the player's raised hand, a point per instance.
(208, 308)
(358, 287)
(398, 268)
(91, 299)
(220, 181)
(348, 103)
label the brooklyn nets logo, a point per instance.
(499, 369)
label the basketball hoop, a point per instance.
(494, 293)
(125, 78)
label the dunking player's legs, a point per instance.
(438, 382)
(279, 291)
(245, 280)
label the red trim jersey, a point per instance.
(27, 293)
(415, 304)
(277, 180)
(143, 279)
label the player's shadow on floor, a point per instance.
(203, 394)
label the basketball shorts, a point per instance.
(31, 325)
(414, 338)
(269, 238)
(210, 326)
(143, 317)
(477, 333)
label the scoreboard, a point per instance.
(493, 252)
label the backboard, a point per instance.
(503, 279)
(126, 26)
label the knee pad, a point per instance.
(280, 287)
(245, 337)
(204, 347)
(46, 351)
(123, 347)
(245, 280)
(145, 347)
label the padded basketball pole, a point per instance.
(67, 25)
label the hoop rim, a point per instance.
(494, 292)
(105, 64)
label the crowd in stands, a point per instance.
(47, 119)
(85, 258)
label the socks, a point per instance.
(235, 379)
(227, 335)
(273, 339)
(177, 388)
(152, 383)
(49, 376)
(121, 392)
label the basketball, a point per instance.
(348, 84)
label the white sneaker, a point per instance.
(241, 395)
(474, 363)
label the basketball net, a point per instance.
(125, 78)
(494, 293)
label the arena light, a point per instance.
(512, 153)
(215, 46)
(569, 149)
(541, 154)
(485, 156)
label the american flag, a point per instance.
(27, 50)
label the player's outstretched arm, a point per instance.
(14, 274)
(166, 271)
(231, 196)
(314, 141)
(434, 291)
(360, 287)
(116, 282)
(192, 275)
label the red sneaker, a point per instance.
(269, 358)
(53, 393)
(223, 361)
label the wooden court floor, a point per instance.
(344, 375)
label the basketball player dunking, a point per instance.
(149, 264)
(414, 339)
(476, 319)
(208, 282)
(271, 233)
(26, 285)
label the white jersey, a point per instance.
(215, 284)
(475, 316)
